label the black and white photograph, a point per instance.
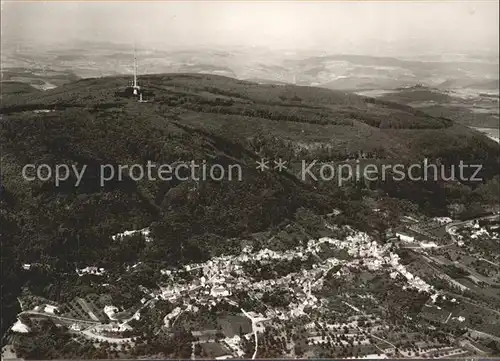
(208, 180)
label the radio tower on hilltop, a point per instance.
(135, 86)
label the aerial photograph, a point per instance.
(247, 180)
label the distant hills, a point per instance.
(474, 104)
(491, 84)
(338, 71)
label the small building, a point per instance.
(51, 309)
(406, 234)
(405, 238)
(219, 291)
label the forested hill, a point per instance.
(196, 117)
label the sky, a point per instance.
(370, 27)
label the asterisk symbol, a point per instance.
(262, 165)
(280, 164)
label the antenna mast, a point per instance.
(135, 69)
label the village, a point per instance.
(262, 291)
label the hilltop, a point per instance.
(307, 115)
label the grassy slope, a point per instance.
(14, 87)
